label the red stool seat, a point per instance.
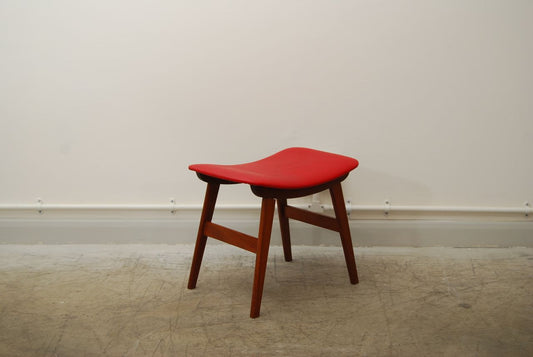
(293, 168)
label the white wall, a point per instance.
(108, 101)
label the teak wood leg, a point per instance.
(285, 231)
(207, 215)
(344, 230)
(263, 244)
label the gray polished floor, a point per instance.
(131, 300)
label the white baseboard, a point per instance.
(393, 233)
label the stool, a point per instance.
(291, 173)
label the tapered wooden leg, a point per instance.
(285, 231)
(201, 239)
(344, 230)
(263, 244)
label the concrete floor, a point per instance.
(131, 300)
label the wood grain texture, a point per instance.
(285, 230)
(231, 236)
(344, 229)
(263, 244)
(313, 218)
(201, 239)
